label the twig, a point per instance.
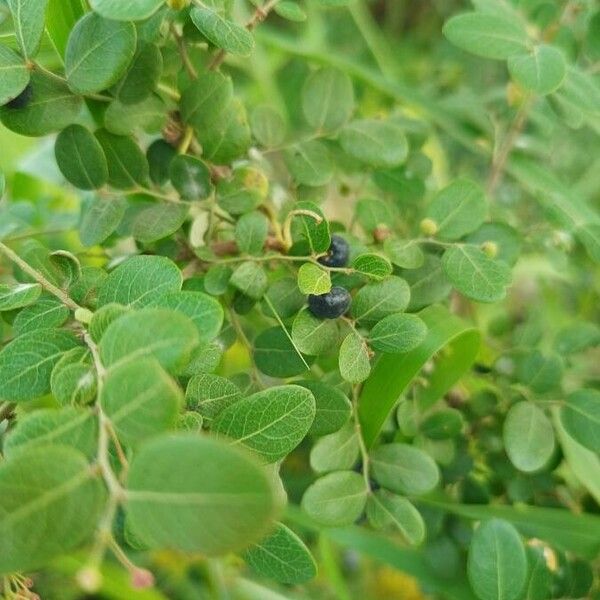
(364, 453)
(185, 57)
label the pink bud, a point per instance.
(141, 579)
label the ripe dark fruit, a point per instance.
(331, 305)
(338, 253)
(23, 99)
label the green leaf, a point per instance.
(290, 11)
(281, 556)
(251, 233)
(190, 177)
(404, 469)
(309, 163)
(26, 363)
(442, 424)
(98, 53)
(159, 221)
(216, 280)
(223, 33)
(354, 360)
(337, 451)
(336, 499)
(205, 99)
(375, 301)
(310, 235)
(272, 422)
(497, 564)
(127, 165)
(428, 284)
(74, 380)
(61, 16)
(52, 107)
(147, 116)
(376, 143)
(373, 265)
(312, 279)
(14, 75)
(398, 333)
(458, 209)
(139, 280)
(140, 399)
(385, 510)
(142, 76)
(49, 489)
(100, 219)
(137, 10)
(577, 337)
(327, 99)
(18, 296)
(542, 71)
(314, 336)
(205, 312)
(164, 334)
(75, 427)
(541, 373)
(333, 407)
(267, 126)
(47, 313)
(405, 254)
(28, 17)
(182, 489)
(209, 394)
(244, 191)
(508, 240)
(580, 416)
(250, 279)
(528, 437)
(80, 158)
(285, 297)
(475, 275)
(487, 35)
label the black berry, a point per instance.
(331, 305)
(22, 100)
(338, 253)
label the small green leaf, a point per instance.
(310, 235)
(250, 279)
(98, 52)
(142, 76)
(487, 35)
(80, 158)
(118, 10)
(47, 313)
(127, 165)
(75, 427)
(376, 143)
(309, 163)
(100, 219)
(281, 556)
(497, 564)
(542, 71)
(405, 254)
(147, 116)
(333, 407)
(290, 11)
(26, 363)
(458, 209)
(28, 17)
(183, 487)
(50, 489)
(528, 437)
(404, 469)
(205, 99)
(337, 499)
(374, 266)
(541, 373)
(375, 301)
(159, 221)
(190, 177)
(475, 275)
(139, 280)
(251, 233)
(140, 399)
(268, 126)
(580, 416)
(385, 510)
(272, 422)
(337, 451)
(211, 394)
(327, 99)
(312, 279)
(18, 296)
(314, 336)
(428, 284)
(354, 361)
(398, 333)
(14, 75)
(442, 424)
(223, 33)
(166, 335)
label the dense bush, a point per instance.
(302, 309)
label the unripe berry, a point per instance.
(178, 4)
(490, 249)
(89, 579)
(429, 227)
